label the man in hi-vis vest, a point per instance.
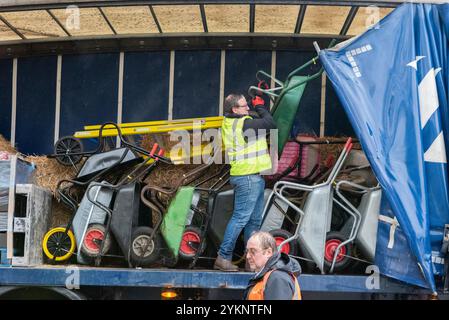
(245, 142)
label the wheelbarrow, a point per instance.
(359, 232)
(59, 243)
(168, 236)
(312, 221)
(121, 218)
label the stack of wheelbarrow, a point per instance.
(118, 215)
(331, 226)
(104, 201)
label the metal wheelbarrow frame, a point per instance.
(361, 228)
(117, 218)
(314, 218)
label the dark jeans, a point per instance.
(248, 207)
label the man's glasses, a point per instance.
(253, 251)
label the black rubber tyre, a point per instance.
(144, 252)
(92, 241)
(343, 262)
(64, 147)
(190, 243)
(280, 235)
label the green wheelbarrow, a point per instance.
(165, 241)
(286, 97)
(160, 243)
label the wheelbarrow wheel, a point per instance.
(59, 245)
(190, 243)
(144, 250)
(343, 260)
(64, 149)
(95, 235)
(280, 235)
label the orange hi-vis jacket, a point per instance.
(257, 292)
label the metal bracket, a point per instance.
(444, 250)
(317, 47)
(445, 245)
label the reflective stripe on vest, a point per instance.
(245, 157)
(257, 292)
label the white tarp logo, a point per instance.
(428, 105)
(350, 54)
(414, 63)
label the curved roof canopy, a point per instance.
(28, 26)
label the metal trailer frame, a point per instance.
(202, 40)
(56, 276)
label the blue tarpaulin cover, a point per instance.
(393, 83)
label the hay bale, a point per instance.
(333, 149)
(168, 176)
(60, 214)
(162, 139)
(47, 175)
(5, 145)
(177, 149)
(49, 172)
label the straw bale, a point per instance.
(5, 145)
(163, 139)
(49, 172)
(60, 214)
(332, 149)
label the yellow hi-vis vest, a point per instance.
(245, 157)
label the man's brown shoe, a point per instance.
(224, 265)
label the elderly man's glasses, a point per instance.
(253, 251)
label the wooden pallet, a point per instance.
(29, 221)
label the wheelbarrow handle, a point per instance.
(160, 154)
(348, 144)
(153, 150)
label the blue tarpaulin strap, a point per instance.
(392, 82)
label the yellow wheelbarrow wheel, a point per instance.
(59, 245)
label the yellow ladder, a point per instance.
(158, 127)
